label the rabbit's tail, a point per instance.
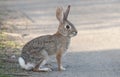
(26, 66)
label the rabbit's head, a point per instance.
(66, 28)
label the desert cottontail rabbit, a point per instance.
(36, 52)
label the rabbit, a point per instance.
(36, 52)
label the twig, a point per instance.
(27, 16)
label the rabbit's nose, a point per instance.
(75, 33)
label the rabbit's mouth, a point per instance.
(73, 34)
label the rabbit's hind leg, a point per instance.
(41, 65)
(42, 68)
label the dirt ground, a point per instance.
(95, 51)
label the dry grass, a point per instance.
(8, 42)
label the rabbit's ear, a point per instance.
(67, 12)
(59, 14)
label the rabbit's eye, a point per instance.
(67, 27)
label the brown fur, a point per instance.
(38, 49)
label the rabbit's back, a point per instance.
(34, 48)
(39, 43)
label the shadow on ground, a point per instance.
(102, 63)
